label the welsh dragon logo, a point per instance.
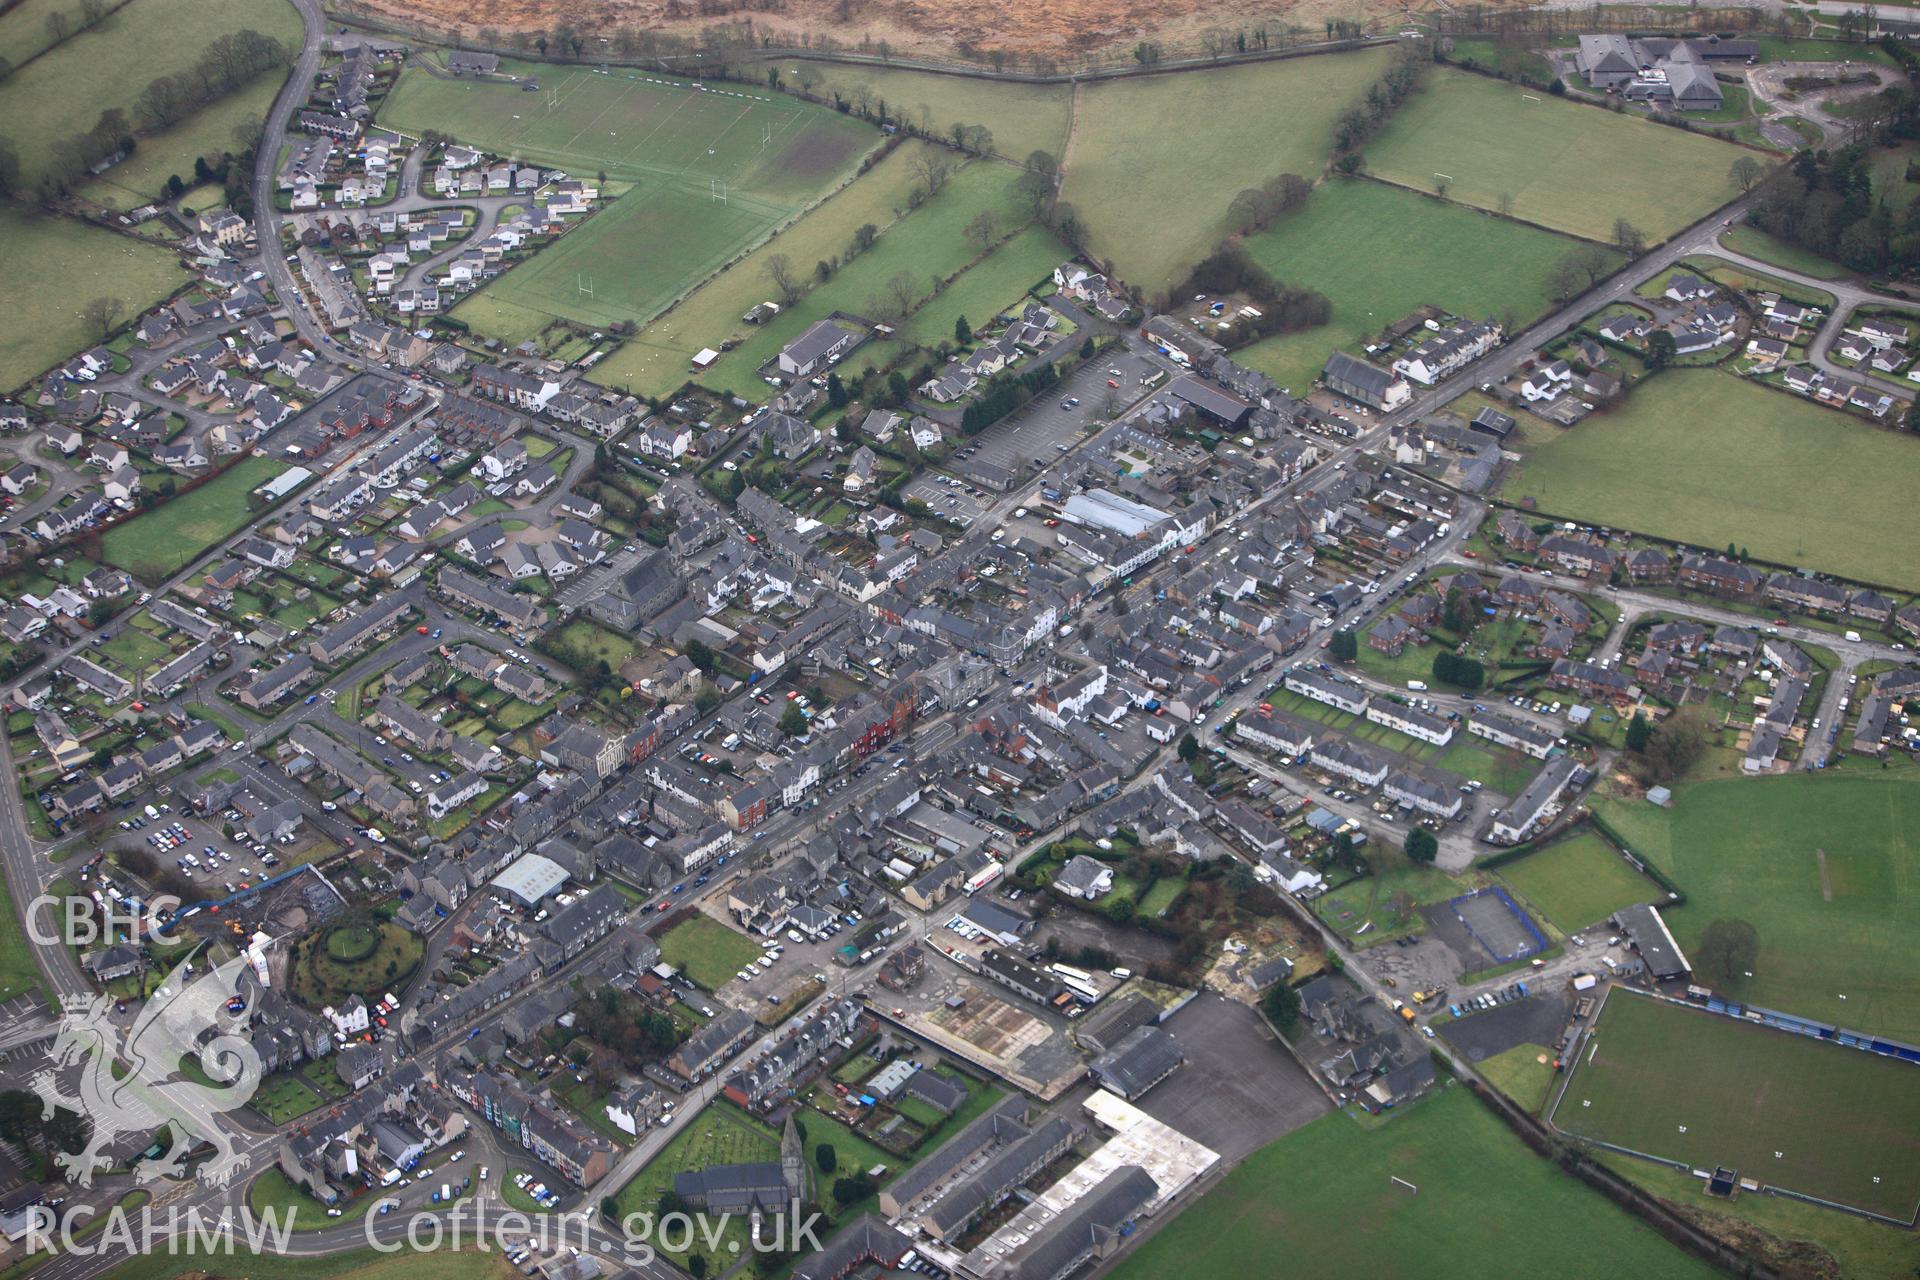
(130, 1082)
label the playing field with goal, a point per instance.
(1785, 1110)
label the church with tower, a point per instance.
(764, 1186)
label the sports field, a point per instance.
(1706, 458)
(63, 93)
(1379, 251)
(1321, 1202)
(1579, 881)
(1825, 866)
(1684, 1084)
(167, 538)
(1155, 160)
(1571, 167)
(51, 268)
(1023, 118)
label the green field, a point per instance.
(362, 1264)
(275, 1193)
(656, 362)
(638, 128)
(684, 147)
(325, 976)
(1379, 252)
(1579, 881)
(927, 245)
(1785, 1109)
(1571, 167)
(1755, 243)
(1320, 1203)
(1022, 117)
(1775, 473)
(1860, 1248)
(284, 1097)
(996, 282)
(23, 27)
(168, 538)
(1507, 772)
(61, 94)
(1521, 1074)
(707, 951)
(635, 256)
(18, 973)
(51, 269)
(1156, 160)
(208, 132)
(1751, 849)
(1362, 910)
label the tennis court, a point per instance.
(1499, 924)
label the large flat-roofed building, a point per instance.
(1105, 509)
(530, 880)
(1093, 1227)
(1166, 1161)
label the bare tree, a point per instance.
(933, 168)
(1628, 238)
(247, 132)
(1746, 171)
(1506, 204)
(1441, 186)
(900, 292)
(983, 230)
(807, 76)
(1563, 279)
(1594, 262)
(58, 26)
(1036, 185)
(92, 11)
(780, 272)
(101, 315)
